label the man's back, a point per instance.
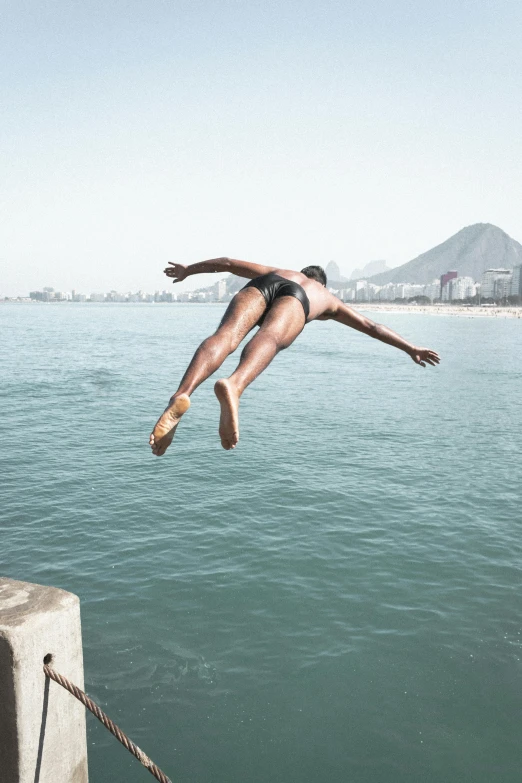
(321, 300)
(272, 307)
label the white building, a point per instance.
(516, 281)
(221, 289)
(386, 294)
(496, 283)
(399, 291)
(391, 291)
(141, 296)
(412, 290)
(114, 296)
(361, 291)
(373, 291)
(432, 290)
(461, 288)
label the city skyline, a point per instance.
(280, 133)
(496, 284)
(470, 235)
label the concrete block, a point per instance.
(42, 727)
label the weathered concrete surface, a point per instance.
(42, 727)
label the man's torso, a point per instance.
(322, 302)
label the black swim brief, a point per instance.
(273, 286)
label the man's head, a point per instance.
(315, 273)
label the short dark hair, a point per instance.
(315, 273)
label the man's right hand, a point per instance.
(178, 271)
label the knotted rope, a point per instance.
(107, 722)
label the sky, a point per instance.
(288, 133)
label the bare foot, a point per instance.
(229, 421)
(163, 432)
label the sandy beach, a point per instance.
(463, 312)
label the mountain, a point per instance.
(371, 268)
(469, 252)
(332, 271)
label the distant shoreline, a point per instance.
(457, 310)
(463, 312)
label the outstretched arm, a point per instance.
(345, 315)
(242, 268)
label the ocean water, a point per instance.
(338, 599)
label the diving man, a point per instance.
(280, 302)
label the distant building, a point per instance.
(516, 281)
(503, 287)
(361, 291)
(386, 293)
(114, 296)
(496, 283)
(141, 296)
(40, 296)
(432, 290)
(461, 288)
(392, 291)
(373, 292)
(412, 290)
(164, 296)
(444, 280)
(221, 290)
(48, 295)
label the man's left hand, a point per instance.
(424, 356)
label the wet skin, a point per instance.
(283, 322)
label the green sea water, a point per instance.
(338, 599)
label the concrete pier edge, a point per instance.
(42, 729)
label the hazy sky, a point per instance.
(133, 133)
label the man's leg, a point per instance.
(282, 324)
(242, 314)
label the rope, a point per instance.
(107, 722)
